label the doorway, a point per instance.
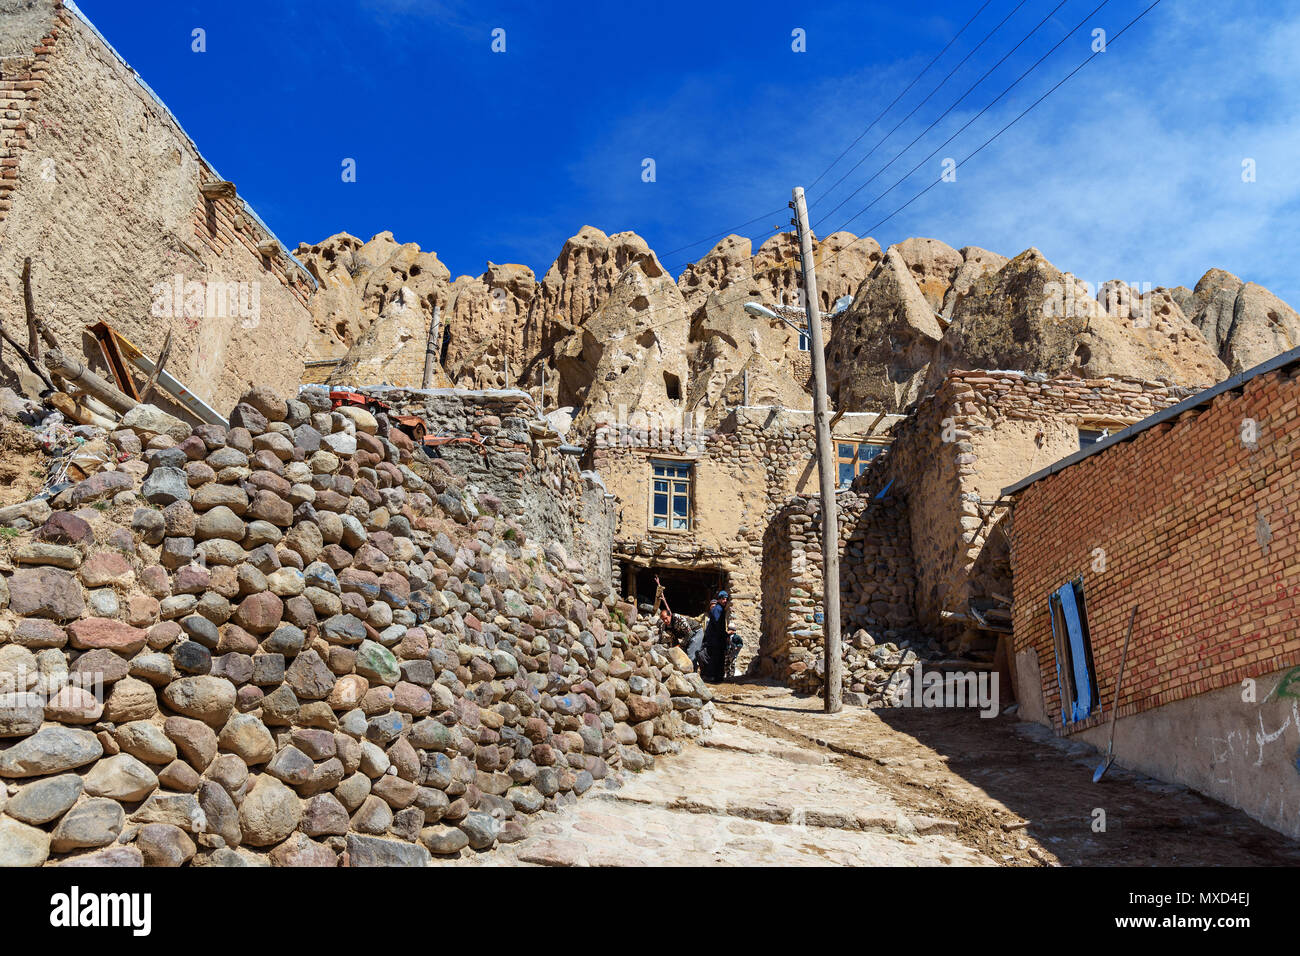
(687, 590)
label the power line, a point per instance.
(936, 122)
(742, 292)
(915, 80)
(761, 238)
(1018, 118)
(937, 88)
(1069, 33)
(720, 235)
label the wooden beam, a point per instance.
(158, 367)
(70, 370)
(218, 189)
(26, 356)
(107, 340)
(33, 340)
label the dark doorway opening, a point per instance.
(688, 590)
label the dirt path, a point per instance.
(778, 783)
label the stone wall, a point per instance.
(507, 452)
(295, 641)
(876, 586)
(100, 187)
(951, 457)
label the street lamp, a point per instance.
(762, 311)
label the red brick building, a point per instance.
(1192, 515)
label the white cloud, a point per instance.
(1132, 169)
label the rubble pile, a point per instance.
(296, 641)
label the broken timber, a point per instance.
(73, 372)
(110, 338)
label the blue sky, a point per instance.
(1132, 169)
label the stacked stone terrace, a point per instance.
(296, 641)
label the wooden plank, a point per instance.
(108, 347)
(170, 384)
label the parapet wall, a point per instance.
(502, 448)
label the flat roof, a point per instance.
(1173, 411)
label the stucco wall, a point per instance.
(107, 205)
(1242, 752)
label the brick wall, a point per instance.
(21, 79)
(1198, 528)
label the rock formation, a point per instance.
(1243, 322)
(605, 327)
(632, 352)
(927, 310)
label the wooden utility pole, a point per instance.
(834, 665)
(431, 349)
(72, 371)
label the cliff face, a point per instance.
(607, 328)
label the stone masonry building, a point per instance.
(693, 506)
(938, 529)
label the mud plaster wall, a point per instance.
(107, 204)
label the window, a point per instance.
(1090, 436)
(672, 387)
(671, 500)
(1075, 674)
(851, 459)
(803, 338)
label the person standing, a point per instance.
(713, 655)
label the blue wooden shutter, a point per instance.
(1081, 706)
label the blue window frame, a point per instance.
(671, 499)
(1075, 673)
(851, 459)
